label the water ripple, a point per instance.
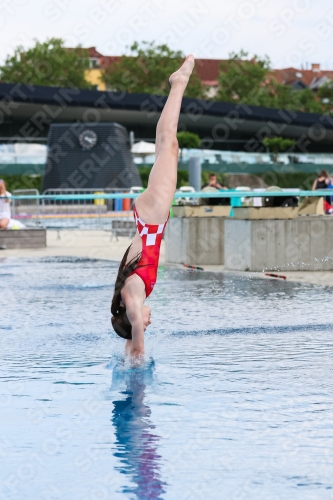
(233, 401)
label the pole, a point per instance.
(194, 169)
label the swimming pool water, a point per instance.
(234, 400)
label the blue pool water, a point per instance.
(234, 400)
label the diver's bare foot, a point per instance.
(183, 74)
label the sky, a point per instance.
(291, 32)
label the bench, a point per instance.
(122, 228)
(22, 238)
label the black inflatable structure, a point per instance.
(89, 155)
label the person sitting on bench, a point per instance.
(6, 222)
(5, 214)
(214, 185)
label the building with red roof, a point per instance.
(208, 72)
(312, 78)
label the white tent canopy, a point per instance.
(143, 148)
(24, 149)
(23, 153)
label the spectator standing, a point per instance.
(324, 181)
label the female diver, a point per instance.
(138, 269)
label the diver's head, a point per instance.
(119, 320)
(121, 324)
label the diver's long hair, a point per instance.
(119, 320)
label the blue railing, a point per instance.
(197, 194)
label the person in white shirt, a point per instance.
(6, 222)
(5, 213)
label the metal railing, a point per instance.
(83, 209)
(25, 205)
(73, 209)
(90, 210)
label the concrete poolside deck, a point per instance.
(324, 278)
(92, 244)
(98, 245)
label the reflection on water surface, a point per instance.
(136, 438)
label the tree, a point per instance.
(147, 71)
(278, 144)
(187, 140)
(325, 93)
(245, 81)
(48, 63)
(251, 82)
(306, 101)
(297, 100)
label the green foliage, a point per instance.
(242, 81)
(22, 182)
(188, 140)
(325, 93)
(285, 97)
(144, 174)
(298, 180)
(147, 70)
(277, 144)
(250, 82)
(306, 101)
(182, 179)
(48, 63)
(35, 182)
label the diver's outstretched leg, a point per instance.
(154, 204)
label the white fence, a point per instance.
(71, 213)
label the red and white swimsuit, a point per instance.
(151, 237)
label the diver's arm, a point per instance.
(135, 347)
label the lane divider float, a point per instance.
(276, 276)
(196, 268)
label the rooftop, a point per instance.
(208, 71)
